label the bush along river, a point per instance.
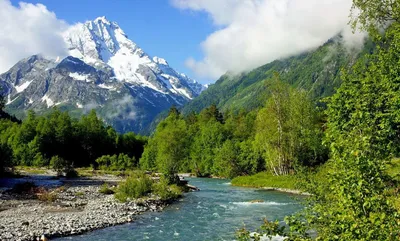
(214, 213)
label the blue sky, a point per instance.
(211, 36)
(155, 25)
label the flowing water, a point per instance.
(214, 213)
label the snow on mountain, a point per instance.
(103, 43)
(106, 71)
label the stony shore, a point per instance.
(76, 210)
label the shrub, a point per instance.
(175, 191)
(136, 186)
(119, 162)
(71, 173)
(5, 157)
(46, 196)
(40, 161)
(105, 189)
(62, 166)
(79, 194)
(165, 191)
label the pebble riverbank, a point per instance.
(77, 210)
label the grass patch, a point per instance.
(31, 170)
(265, 179)
(79, 194)
(105, 189)
(46, 196)
(85, 171)
(136, 185)
(90, 172)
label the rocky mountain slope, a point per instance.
(105, 71)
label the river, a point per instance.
(214, 213)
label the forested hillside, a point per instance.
(280, 137)
(317, 72)
(59, 141)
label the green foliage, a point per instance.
(363, 120)
(79, 194)
(5, 157)
(105, 189)
(266, 179)
(39, 138)
(233, 144)
(393, 169)
(288, 134)
(165, 191)
(356, 200)
(226, 160)
(139, 185)
(206, 142)
(268, 230)
(171, 147)
(168, 148)
(135, 186)
(63, 167)
(119, 162)
(374, 14)
(40, 161)
(59, 165)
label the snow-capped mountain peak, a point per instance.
(102, 19)
(97, 40)
(159, 60)
(103, 43)
(105, 70)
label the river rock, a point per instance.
(71, 214)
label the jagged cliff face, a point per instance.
(105, 71)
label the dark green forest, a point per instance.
(283, 135)
(41, 140)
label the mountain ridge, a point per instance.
(105, 71)
(316, 71)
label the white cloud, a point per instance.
(255, 32)
(123, 108)
(28, 29)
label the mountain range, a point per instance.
(132, 91)
(104, 70)
(317, 71)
